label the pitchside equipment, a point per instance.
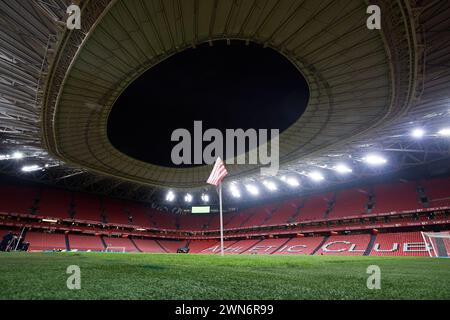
(218, 173)
(437, 243)
(115, 249)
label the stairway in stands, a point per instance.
(325, 239)
(135, 245)
(373, 238)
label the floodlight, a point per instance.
(270, 185)
(205, 197)
(31, 168)
(188, 197)
(374, 159)
(17, 155)
(444, 132)
(252, 189)
(235, 191)
(418, 133)
(316, 176)
(342, 168)
(170, 196)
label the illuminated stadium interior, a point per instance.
(86, 118)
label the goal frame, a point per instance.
(123, 249)
(429, 244)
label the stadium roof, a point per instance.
(368, 88)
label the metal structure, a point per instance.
(368, 88)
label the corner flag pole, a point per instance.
(221, 219)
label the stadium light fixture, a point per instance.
(342, 168)
(316, 176)
(170, 196)
(445, 132)
(188, 198)
(252, 189)
(374, 159)
(271, 186)
(235, 191)
(205, 197)
(31, 168)
(293, 182)
(17, 155)
(418, 133)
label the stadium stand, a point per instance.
(125, 243)
(54, 204)
(300, 245)
(351, 202)
(85, 243)
(284, 212)
(115, 212)
(399, 244)
(267, 246)
(314, 208)
(40, 241)
(87, 207)
(400, 196)
(438, 192)
(171, 245)
(17, 199)
(197, 246)
(150, 246)
(396, 205)
(163, 220)
(345, 245)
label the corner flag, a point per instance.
(215, 178)
(218, 173)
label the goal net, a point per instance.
(437, 243)
(115, 249)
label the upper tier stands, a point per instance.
(54, 203)
(284, 212)
(400, 196)
(386, 199)
(349, 202)
(17, 199)
(87, 207)
(116, 212)
(314, 207)
(438, 192)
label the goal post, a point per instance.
(437, 243)
(116, 249)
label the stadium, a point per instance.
(115, 115)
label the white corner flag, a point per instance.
(215, 178)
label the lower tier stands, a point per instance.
(118, 243)
(300, 245)
(85, 243)
(354, 245)
(149, 246)
(399, 244)
(40, 241)
(383, 244)
(171, 246)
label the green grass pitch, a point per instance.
(170, 276)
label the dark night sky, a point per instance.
(232, 87)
